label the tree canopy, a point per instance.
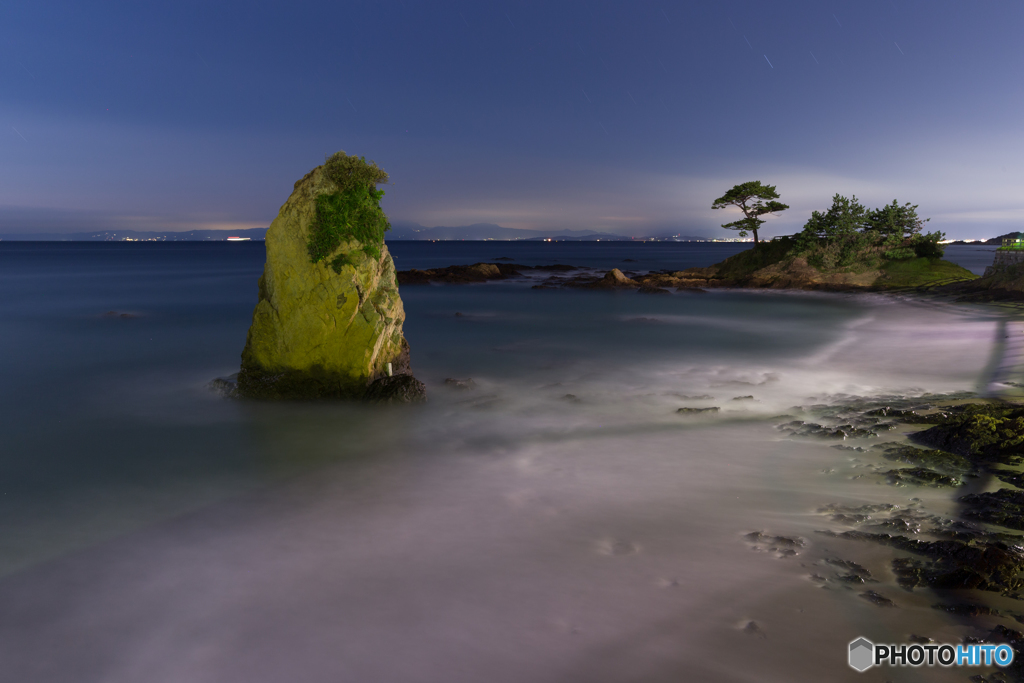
(896, 221)
(848, 233)
(754, 200)
(845, 217)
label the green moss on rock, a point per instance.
(350, 213)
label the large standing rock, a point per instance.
(326, 329)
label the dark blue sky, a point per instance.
(627, 116)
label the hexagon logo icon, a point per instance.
(861, 654)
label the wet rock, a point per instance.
(979, 432)
(851, 567)
(859, 509)
(646, 289)
(457, 275)
(1011, 478)
(900, 524)
(853, 572)
(467, 383)
(940, 461)
(877, 599)
(396, 389)
(614, 279)
(503, 258)
(713, 409)
(571, 398)
(951, 564)
(783, 546)
(969, 610)
(905, 416)
(1004, 507)
(742, 398)
(225, 386)
(920, 476)
(846, 431)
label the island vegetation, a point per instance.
(351, 212)
(846, 246)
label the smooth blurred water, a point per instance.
(559, 522)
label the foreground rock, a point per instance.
(396, 389)
(329, 318)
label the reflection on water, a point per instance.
(560, 521)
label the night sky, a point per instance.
(628, 117)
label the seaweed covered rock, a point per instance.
(979, 432)
(329, 318)
(973, 563)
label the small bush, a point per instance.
(348, 171)
(351, 213)
(927, 245)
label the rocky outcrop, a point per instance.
(324, 329)
(478, 272)
(1002, 282)
(797, 273)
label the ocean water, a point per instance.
(558, 522)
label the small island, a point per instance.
(845, 248)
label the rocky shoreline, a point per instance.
(797, 274)
(964, 442)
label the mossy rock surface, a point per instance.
(317, 333)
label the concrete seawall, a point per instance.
(1005, 259)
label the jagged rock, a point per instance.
(322, 329)
(467, 383)
(478, 272)
(614, 279)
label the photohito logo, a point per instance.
(864, 654)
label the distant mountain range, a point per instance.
(399, 232)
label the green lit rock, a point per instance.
(329, 318)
